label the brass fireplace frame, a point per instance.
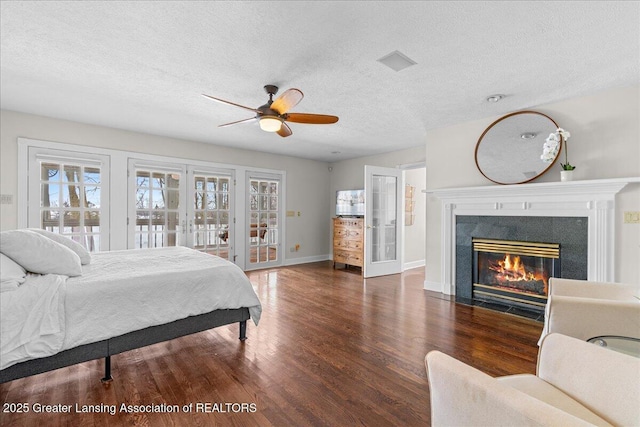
(513, 247)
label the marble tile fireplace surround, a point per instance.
(579, 215)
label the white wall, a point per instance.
(307, 180)
(604, 143)
(414, 241)
(349, 174)
(415, 235)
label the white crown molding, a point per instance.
(594, 199)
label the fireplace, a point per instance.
(579, 215)
(514, 272)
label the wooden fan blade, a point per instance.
(252, 119)
(287, 100)
(230, 103)
(284, 130)
(314, 119)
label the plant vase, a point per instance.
(566, 175)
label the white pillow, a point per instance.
(12, 274)
(83, 253)
(39, 254)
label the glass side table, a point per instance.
(626, 345)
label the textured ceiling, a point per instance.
(142, 66)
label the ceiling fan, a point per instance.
(273, 115)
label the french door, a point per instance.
(157, 213)
(264, 227)
(181, 205)
(383, 221)
(210, 212)
(67, 194)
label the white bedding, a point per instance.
(32, 323)
(123, 291)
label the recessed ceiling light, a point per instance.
(528, 135)
(397, 61)
(494, 98)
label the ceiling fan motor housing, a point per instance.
(271, 89)
(265, 110)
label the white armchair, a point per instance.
(576, 384)
(586, 309)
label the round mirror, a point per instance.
(509, 150)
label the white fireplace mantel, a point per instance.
(594, 199)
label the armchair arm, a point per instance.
(586, 318)
(464, 396)
(603, 380)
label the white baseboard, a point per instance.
(433, 286)
(306, 260)
(413, 264)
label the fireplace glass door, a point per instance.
(514, 271)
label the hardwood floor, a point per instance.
(331, 349)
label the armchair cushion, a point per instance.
(545, 392)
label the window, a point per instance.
(67, 195)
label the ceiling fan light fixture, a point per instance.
(270, 124)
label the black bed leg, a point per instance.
(243, 330)
(107, 371)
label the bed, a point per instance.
(113, 302)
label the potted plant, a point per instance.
(552, 145)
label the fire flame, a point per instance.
(512, 269)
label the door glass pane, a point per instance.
(91, 175)
(92, 196)
(263, 221)
(210, 231)
(157, 209)
(157, 199)
(50, 171)
(383, 233)
(74, 190)
(50, 195)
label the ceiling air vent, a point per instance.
(397, 61)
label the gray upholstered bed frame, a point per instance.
(129, 341)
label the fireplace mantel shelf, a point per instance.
(591, 199)
(543, 189)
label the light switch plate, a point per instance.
(632, 217)
(6, 199)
